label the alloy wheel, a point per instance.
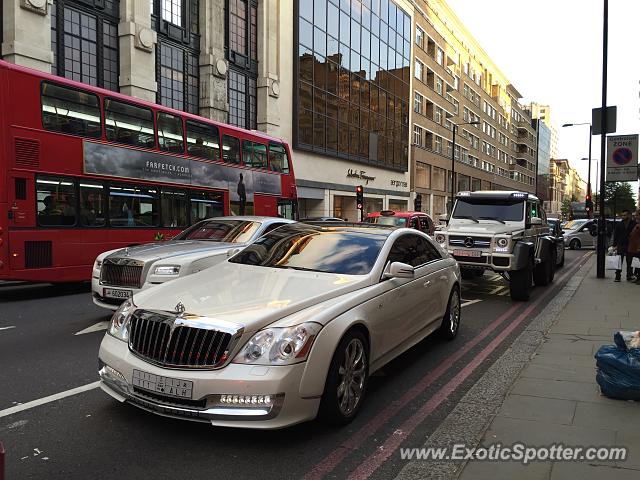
(352, 373)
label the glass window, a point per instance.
(278, 159)
(423, 175)
(413, 250)
(480, 208)
(254, 154)
(173, 204)
(128, 124)
(56, 201)
(133, 206)
(203, 140)
(71, 111)
(93, 204)
(230, 149)
(306, 247)
(221, 230)
(172, 11)
(438, 179)
(178, 78)
(170, 136)
(206, 205)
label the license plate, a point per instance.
(173, 387)
(115, 293)
(467, 253)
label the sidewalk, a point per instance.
(543, 392)
(556, 399)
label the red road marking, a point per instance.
(355, 440)
(374, 461)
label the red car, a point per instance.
(418, 220)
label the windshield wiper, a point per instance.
(491, 218)
(304, 269)
(468, 217)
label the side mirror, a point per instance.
(232, 252)
(593, 230)
(399, 270)
(535, 221)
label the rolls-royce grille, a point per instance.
(121, 275)
(153, 337)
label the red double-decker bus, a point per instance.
(84, 170)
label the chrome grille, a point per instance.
(478, 242)
(155, 337)
(121, 272)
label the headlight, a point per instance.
(167, 270)
(441, 239)
(279, 346)
(119, 327)
(97, 265)
(502, 245)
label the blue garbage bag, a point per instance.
(619, 371)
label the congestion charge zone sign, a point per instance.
(622, 158)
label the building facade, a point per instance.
(333, 78)
(456, 82)
(565, 185)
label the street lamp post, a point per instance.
(589, 168)
(453, 160)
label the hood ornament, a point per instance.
(126, 251)
(179, 309)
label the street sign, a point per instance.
(622, 158)
(596, 120)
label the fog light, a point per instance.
(247, 400)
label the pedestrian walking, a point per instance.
(621, 234)
(634, 245)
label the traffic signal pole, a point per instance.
(602, 227)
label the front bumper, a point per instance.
(97, 293)
(498, 262)
(117, 364)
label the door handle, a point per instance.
(427, 283)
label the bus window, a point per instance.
(230, 149)
(254, 154)
(170, 136)
(133, 206)
(56, 199)
(128, 124)
(203, 140)
(278, 160)
(174, 208)
(206, 205)
(71, 111)
(92, 204)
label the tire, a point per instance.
(543, 273)
(451, 320)
(467, 274)
(561, 262)
(332, 405)
(575, 244)
(521, 282)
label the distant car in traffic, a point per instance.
(416, 220)
(289, 328)
(321, 219)
(118, 274)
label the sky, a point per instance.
(551, 51)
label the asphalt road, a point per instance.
(90, 436)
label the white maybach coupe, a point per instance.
(288, 329)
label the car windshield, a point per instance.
(318, 249)
(489, 209)
(388, 220)
(574, 224)
(221, 230)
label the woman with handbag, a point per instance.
(634, 248)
